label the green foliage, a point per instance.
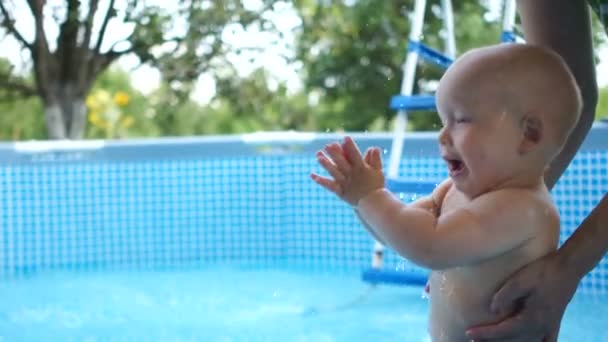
(353, 54)
(21, 117)
(601, 111)
(116, 81)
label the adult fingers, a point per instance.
(509, 328)
(508, 293)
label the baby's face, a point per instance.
(479, 139)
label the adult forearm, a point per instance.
(564, 26)
(589, 243)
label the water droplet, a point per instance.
(385, 151)
(400, 266)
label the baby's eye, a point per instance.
(462, 120)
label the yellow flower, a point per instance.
(96, 120)
(121, 98)
(92, 102)
(127, 121)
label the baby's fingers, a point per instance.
(351, 150)
(336, 153)
(326, 183)
(330, 166)
(373, 159)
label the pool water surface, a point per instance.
(231, 304)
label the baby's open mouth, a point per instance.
(455, 165)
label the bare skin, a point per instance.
(545, 287)
(494, 214)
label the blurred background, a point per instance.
(117, 69)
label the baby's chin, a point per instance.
(472, 188)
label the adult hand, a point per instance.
(540, 293)
(354, 176)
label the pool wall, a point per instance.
(194, 202)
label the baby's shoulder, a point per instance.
(524, 206)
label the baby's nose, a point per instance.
(444, 137)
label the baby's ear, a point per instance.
(532, 132)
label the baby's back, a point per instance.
(461, 296)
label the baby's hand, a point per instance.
(354, 176)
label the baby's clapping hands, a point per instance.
(353, 176)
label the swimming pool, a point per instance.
(222, 239)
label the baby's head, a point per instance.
(507, 111)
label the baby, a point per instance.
(506, 112)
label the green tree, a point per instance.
(182, 42)
(353, 51)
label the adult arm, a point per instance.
(564, 26)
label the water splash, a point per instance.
(443, 279)
(400, 266)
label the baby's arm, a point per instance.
(431, 203)
(490, 225)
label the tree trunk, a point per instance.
(78, 123)
(54, 121)
(65, 113)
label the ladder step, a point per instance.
(387, 276)
(429, 54)
(413, 102)
(403, 185)
(508, 37)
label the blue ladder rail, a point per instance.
(429, 54)
(383, 276)
(412, 102)
(404, 185)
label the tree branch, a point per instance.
(67, 44)
(10, 85)
(40, 52)
(36, 6)
(86, 57)
(88, 24)
(104, 26)
(9, 24)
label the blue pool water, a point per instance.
(231, 304)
